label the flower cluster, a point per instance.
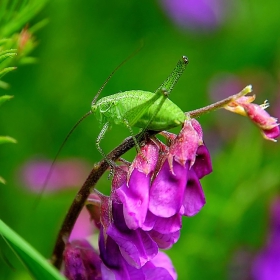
(144, 211)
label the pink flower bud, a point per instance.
(257, 114)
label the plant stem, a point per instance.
(219, 104)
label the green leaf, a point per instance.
(37, 265)
(5, 98)
(6, 70)
(7, 139)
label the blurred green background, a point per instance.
(79, 47)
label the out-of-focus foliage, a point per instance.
(77, 50)
(5, 139)
(15, 40)
(17, 30)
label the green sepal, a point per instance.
(37, 265)
(5, 98)
(7, 139)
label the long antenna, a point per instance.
(77, 123)
(113, 72)
(56, 156)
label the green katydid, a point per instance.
(135, 108)
(142, 109)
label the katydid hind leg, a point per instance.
(166, 87)
(164, 95)
(173, 78)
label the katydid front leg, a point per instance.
(98, 140)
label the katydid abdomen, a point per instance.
(136, 108)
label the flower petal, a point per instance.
(161, 260)
(202, 165)
(194, 198)
(167, 191)
(135, 199)
(165, 241)
(136, 246)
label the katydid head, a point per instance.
(93, 108)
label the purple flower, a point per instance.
(194, 198)
(135, 246)
(176, 188)
(202, 165)
(65, 174)
(114, 265)
(266, 265)
(166, 186)
(126, 253)
(201, 15)
(166, 193)
(134, 194)
(144, 210)
(159, 266)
